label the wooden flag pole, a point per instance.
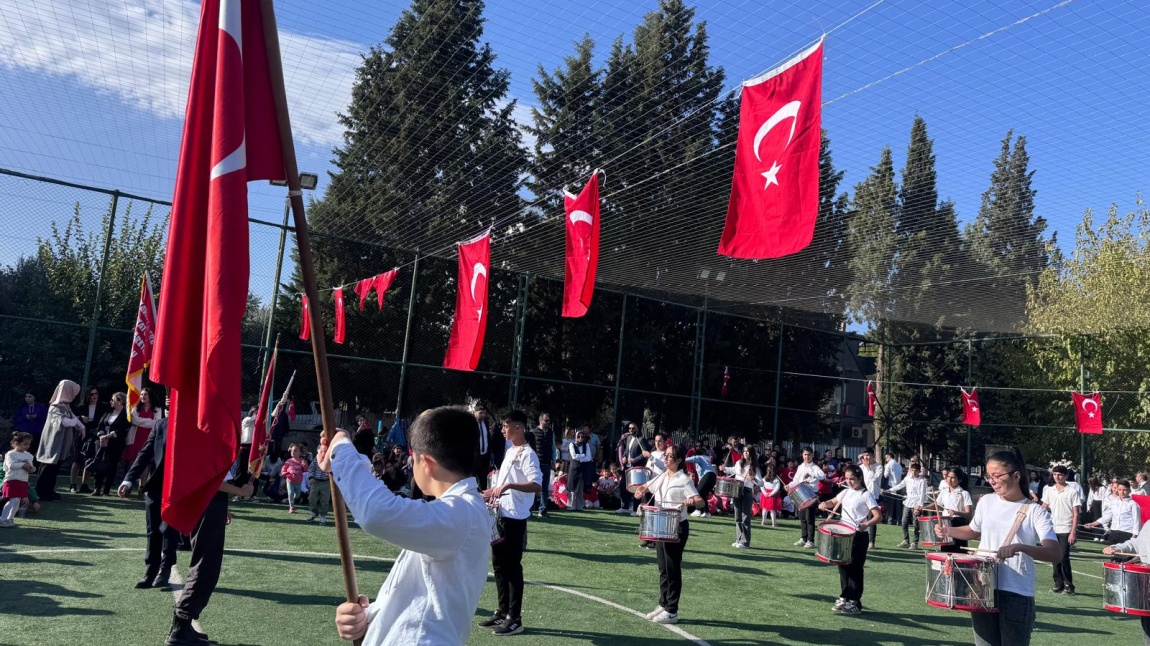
(307, 269)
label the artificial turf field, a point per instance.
(66, 578)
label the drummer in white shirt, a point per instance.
(1063, 502)
(872, 476)
(746, 470)
(1123, 516)
(917, 491)
(1141, 547)
(857, 508)
(953, 502)
(809, 473)
(672, 488)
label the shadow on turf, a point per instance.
(36, 599)
(284, 598)
(648, 559)
(369, 565)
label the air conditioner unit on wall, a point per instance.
(858, 432)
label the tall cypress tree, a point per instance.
(874, 242)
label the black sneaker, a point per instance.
(84, 488)
(495, 620)
(182, 634)
(145, 582)
(163, 579)
(509, 627)
(1069, 591)
(1056, 590)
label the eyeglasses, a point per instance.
(995, 477)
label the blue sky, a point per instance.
(93, 91)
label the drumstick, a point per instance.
(975, 550)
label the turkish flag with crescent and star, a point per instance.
(971, 411)
(870, 398)
(231, 137)
(775, 189)
(470, 321)
(1088, 412)
(582, 254)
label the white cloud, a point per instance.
(141, 53)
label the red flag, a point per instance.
(870, 398)
(467, 329)
(582, 254)
(304, 318)
(775, 189)
(231, 137)
(382, 283)
(726, 380)
(971, 412)
(291, 409)
(340, 317)
(1088, 412)
(143, 343)
(363, 290)
(259, 448)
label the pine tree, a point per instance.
(874, 242)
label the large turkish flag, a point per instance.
(231, 137)
(775, 189)
(971, 411)
(1088, 412)
(470, 320)
(582, 220)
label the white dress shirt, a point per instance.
(672, 489)
(917, 490)
(520, 465)
(655, 463)
(739, 472)
(430, 595)
(1123, 515)
(854, 506)
(872, 477)
(809, 472)
(1061, 504)
(893, 472)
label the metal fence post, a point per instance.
(99, 292)
(520, 334)
(406, 339)
(1082, 389)
(697, 385)
(778, 389)
(969, 429)
(619, 369)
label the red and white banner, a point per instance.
(870, 398)
(582, 255)
(775, 189)
(304, 318)
(231, 137)
(259, 447)
(1088, 412)
(971, 411)
(340, 316)
(143, 343)
(470, 321)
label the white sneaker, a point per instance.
(839, 603)
(809, 545)
(7, 522)
(666, 618)
(741, 546)
(655, 613)
(735, 544)
(800, 543)
(696, 513)
(705, 514)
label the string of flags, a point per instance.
(1087, 408)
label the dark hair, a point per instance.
(1124, 483)
(854, 470)
(1060, 469)
(675, 452)
(960, 475)
(750, 458)
(1094, 482)
(1012, 460)
(20, 436)
(515, 417)
(447, 434)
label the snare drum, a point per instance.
(1127, 588)
(728, 487)
(802, 494)
(637, 477)
(659, 524)
(833, 543)
(496, 526)
(930, 538)
(961, 582)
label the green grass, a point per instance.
(81, 591)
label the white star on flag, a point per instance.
(772, 175)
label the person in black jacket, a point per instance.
(112, 437)
(162, 540)
(84, 444)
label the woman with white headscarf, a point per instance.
(56, 440)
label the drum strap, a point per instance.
(1017, 524)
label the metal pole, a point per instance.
(843, 350)
(520, 333)
(969, 429)
(266, 352)
(406, 338)
(778, 390)
(697, 386)
(99, 292)
(1082, 389)
(886, 386)
(619, 369)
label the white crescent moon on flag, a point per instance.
(475, 271)
(580, 216)
(1089, 400)
(788, 111)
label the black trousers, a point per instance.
(160, 550)
(851, 575)
(706, 486)
(507, 563)
(671, 569)
(482, 469)
(1063, 577)
(808, 523)
(956, 546)
(46, 481)
(112, 455)
(207, 557)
